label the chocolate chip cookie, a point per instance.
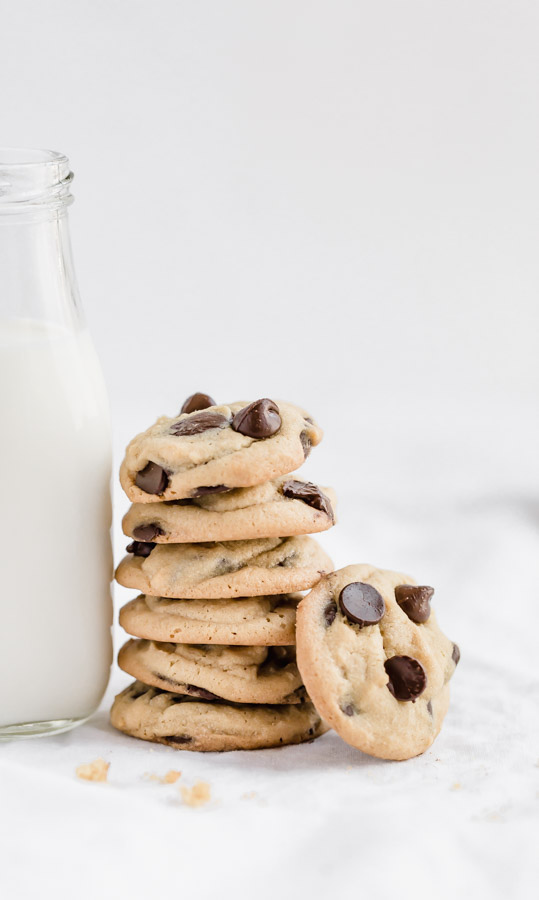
(374, 660)
(207, 451)
(259, 621)
(239, 674)
(186, 723)
(224, 569)
(283, 507)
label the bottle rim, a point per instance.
(33, 179)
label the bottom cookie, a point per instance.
(188, 723)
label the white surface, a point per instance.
(335, 203)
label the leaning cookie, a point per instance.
(186, 723)
(284, 506)
(225, 569)
(222, 447)
(374, 660)
(254, 621)
(238, 674)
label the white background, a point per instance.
(335, 203)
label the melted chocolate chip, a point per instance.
(414, 601)
(455, 655)
(196, 402)
(407, 677)
(195, 691)
(362, 603)
(348, 710)
(305, 443)
(140, 548)
(429, 708)
(211, 489)
(198, 423)
(147, 532)
(310, 494)
(330, 612)
(178, 739)
(152, 479)
(260, 419)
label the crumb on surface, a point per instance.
(456, 786)
(249, 795)
(171, 777)
(198, 795)
(97, 770)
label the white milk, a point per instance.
(56, 560)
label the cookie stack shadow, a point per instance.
(219, 553)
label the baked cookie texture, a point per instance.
(238, 674)
(283, 507)
(374, 660)
(258, 621)
(203, 451)
(226, 569)
(186, 723)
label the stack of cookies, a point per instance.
(219, 554)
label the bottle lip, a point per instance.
(33, 180)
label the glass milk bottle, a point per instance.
(55, 464)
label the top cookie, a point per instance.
(374, 660)
(215, 449)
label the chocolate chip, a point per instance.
(137, 691)
(140, 548)
(362, 603)
(195, 691)
(407, 677)
(414, 600)
(305, 443)
(310, 494)
(429, 708)
(348, 710)
(178, 739)
(152, 479)
(455, 655)
(260, 419)
(211, 489)
(196, 402)
(147, 532)
(197, 424)
(330, 612)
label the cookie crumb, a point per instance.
(198, 795)
(171, 777)
(249, 795)
(97, 770)
(456, 786)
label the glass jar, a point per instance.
(55, 464)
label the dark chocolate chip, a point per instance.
(210, 489)
(455, 655)
(429, 708)
(195, 691)
(260, 419)
(310, 494)
(198, 423)
(362, 603)
(311, 731)
(152, 479)
(407, 677)
(140, 548)
(414, 600)
(147, 532)
(137, 692)
(280, 657)
(178, 739)
(196, 402)
(348, 710)
(305, 443)
(330, 612)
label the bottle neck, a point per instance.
(37, 278)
